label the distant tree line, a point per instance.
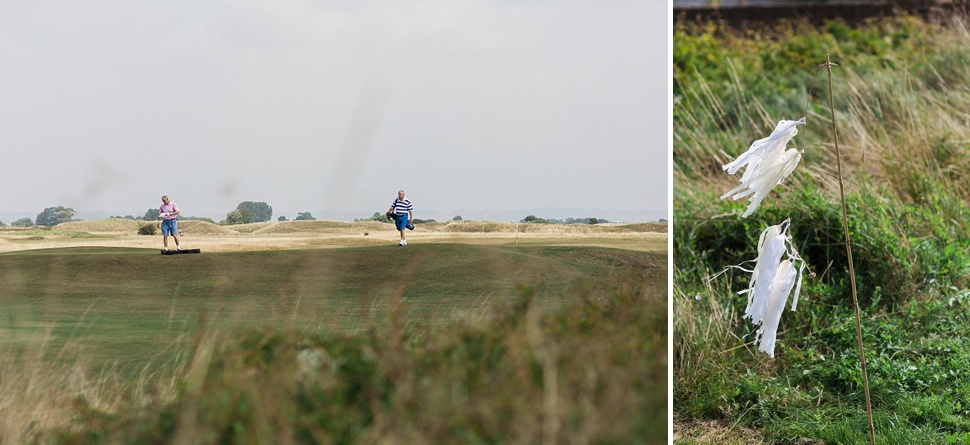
(538, 220)
(302, 216)
(51, 216)
(251, 212)
(382, 217)
(377, 216)
(246, 212)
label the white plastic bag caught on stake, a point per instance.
(768, 164)
(771, 281)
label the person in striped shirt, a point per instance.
(403, 213)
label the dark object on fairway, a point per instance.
(409, 225)
(176, 252)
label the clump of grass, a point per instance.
(147, 229)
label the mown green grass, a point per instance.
(128, 305)
(908, 201)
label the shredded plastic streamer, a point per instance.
(768, 164)
(772, 280)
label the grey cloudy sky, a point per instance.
(334, 106)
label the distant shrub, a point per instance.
(147, 229)
(53, 216)
(281, 218)
(257, 211)
(534, 219)
(22, 222)
(238, 217)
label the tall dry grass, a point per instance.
(39, 394)
(898, 125)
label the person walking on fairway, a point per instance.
(168, 212)
(402, 211)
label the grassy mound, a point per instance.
(477, 227)
(102, 225)
(205, 228)
(649, 227)
(287, 227)
(251, 227)
(304, 226)
(433, 226)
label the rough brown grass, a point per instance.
(205, 228)
(291, 227)
(326, 234)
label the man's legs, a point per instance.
(401, 221)
(165, 232)
(173, 227)
(169, 228)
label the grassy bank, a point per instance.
(903, 131)
(435, 343)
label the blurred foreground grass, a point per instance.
(447, 344)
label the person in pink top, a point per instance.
(168, 212)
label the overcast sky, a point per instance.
(334, 106)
